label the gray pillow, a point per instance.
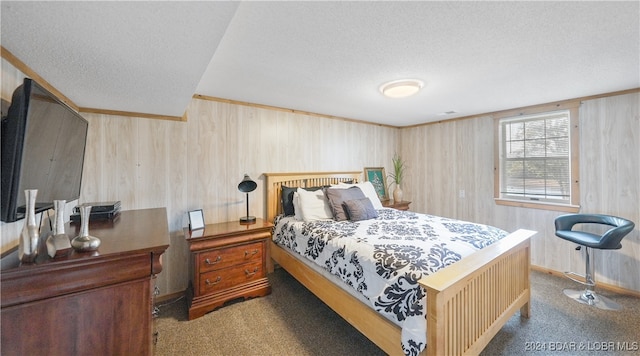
(338, 196)
(360, 209)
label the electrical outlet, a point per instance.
(461, 193)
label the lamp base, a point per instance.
(247, 220)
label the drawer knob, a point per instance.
(209, 283)
(248, 254)
(208, 261)
(249, 273)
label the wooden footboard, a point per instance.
(467, 302)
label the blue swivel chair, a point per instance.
(610, 240)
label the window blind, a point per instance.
(535, 157)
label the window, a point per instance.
(537, 162)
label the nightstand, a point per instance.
(228, 261)
(401, 205)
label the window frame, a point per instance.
(573, 205)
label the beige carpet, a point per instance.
(292, 321)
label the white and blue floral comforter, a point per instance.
(384, 258)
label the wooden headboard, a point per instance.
(275, 181)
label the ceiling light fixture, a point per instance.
(401, 88)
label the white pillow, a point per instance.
(296, 207)
(368, 190)
(314, 205)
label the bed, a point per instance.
(466, 303)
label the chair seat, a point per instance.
(610, 240)
(585, 239)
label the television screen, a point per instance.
(43, 146)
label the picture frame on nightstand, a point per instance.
(378, 178)
(196, 219)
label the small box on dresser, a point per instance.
(228, 261)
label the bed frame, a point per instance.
(467, 302)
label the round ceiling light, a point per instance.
(401, 88)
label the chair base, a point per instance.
(590, 298)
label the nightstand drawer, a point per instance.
(231, 256)
(225, 278)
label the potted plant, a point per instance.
(397, 176)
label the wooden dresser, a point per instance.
(93, 303)
(228, 261)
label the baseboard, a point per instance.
(163, 299)
(599, 285)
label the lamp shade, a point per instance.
(247, 185)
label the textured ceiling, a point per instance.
(328, 57)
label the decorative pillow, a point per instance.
(314, 205)
(287, 198)
(337, 196)
(368, 190)
(360, 209)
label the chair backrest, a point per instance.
(610, 239)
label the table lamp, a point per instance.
(246, 186)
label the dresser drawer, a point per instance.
(230, 256)
(229, 277)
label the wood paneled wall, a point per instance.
(610, 174)
(453, 156)
(198, 164)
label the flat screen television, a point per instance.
(43, 146)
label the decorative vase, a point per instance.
(85, 242)
(58, 243)
(28, 244)
(397, 194)
(58, 227)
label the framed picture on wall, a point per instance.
(378, 178)
(196, 220)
